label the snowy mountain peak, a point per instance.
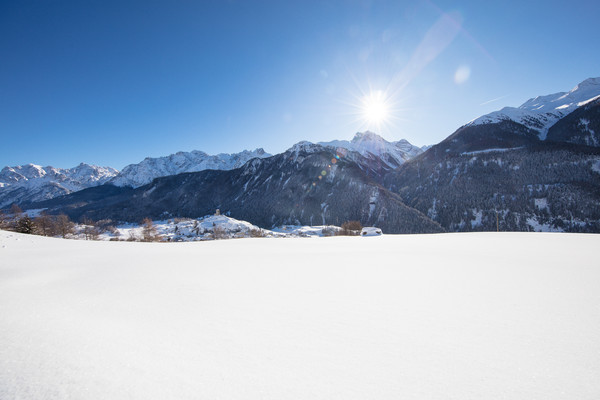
(541, 112)
(258, 151)
(589, 82)
(136, 175)
(305, 146)
(367, 136)
(371, 144)
(31, 182)
(367, 144)
(82, 173)
(21, 172)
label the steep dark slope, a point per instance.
(500, 135)
(492, 171)
(582, 126)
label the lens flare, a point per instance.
(462, 74)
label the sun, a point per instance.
(375, 108)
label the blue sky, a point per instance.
(111, 82)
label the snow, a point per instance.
(188, 229)
(83, 175)
(40, 183)
(368, 143)
(541, 112)
(136, 175)
(306, 231)
(541, 203)
(449, 316)
(478, 217)
(583, 103)
(370, 231)
(537, 226)
(497, 150)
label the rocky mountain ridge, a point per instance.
(136, 175)
(31, 183)
(541, 112)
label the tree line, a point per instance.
(43, 225)
(61, 226)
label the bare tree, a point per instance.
(106, 225)
(3, 220)
(257, 233)
(132, 237)
(149, 232)
(219, 232)
(90, 230)
(328, 231)
(350, 228)
(45, 225)
(64, 226)
(15, 210)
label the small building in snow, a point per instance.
(371, 231)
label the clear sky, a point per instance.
(111, 82)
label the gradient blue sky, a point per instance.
(111, 82)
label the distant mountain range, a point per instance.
(535, 167)
(136, 175)
(31, 183)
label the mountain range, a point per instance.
(528, 170)
(31, 183)
(542, 112)
(136, 175)
(534, 167)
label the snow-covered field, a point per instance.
(449, 316)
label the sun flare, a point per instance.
(375, 108)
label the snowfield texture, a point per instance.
(136, 175)
(541, 112)
(449, 316)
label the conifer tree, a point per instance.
(24, 225)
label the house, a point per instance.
(371, 231)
